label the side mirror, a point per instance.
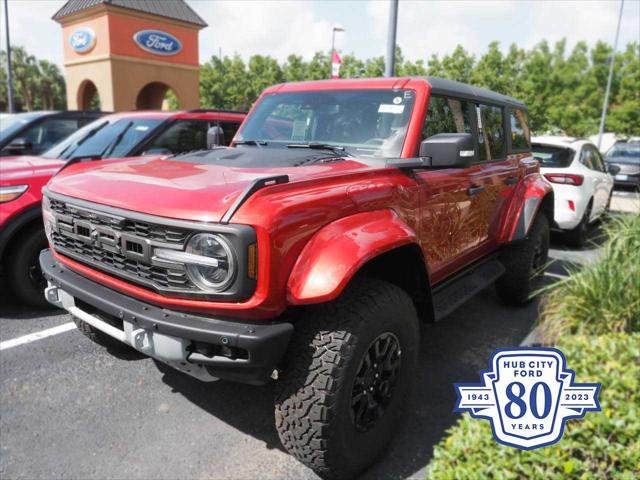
(215, 137)
(455, 150)
(613, 169)
(20, 144)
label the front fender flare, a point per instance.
(337, 251)
(531, 194)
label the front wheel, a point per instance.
(524, 264)
(23, 268)
(346, 377)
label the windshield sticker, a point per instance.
(397, 100)
(299, 130)
(390, 108)
(142, 128)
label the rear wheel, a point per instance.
(524, 263)
(23, 268)
(578, 236)
(347, 373)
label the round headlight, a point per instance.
(207, 277)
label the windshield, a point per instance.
(627, 152)
(11, 123)
(103, 138)
(363, 122)
(552, 157)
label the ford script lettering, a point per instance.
(82, 39)
(157, 42)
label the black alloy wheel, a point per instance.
(375, 382)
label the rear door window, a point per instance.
(447, 115)
(491, 138)
(591, 159)
(520, 133)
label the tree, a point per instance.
(38, 84)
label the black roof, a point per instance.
(175, 9)
(441, 86)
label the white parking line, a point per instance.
(32, 337)
(555, 275)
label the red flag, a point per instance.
(336, 61)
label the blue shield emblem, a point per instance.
(527, 395)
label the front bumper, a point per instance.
(627, 180)
(203, 347)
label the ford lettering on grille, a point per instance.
(120, 246)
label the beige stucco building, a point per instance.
(130, 54)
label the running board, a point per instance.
(452, 293)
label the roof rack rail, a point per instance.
(214, 110)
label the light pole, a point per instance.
(606, 93)
(10, 104)
(333, 38)
(391, 40)
(334, 59)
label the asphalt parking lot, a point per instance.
(71, 409)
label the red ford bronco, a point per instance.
(347, 212)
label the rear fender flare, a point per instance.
(532, 194)
(337, 251)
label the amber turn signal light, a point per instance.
(252, 261)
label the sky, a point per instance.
(279, 28)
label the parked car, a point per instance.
(582, 184)
(117, 135)
(626, 158)
(349, 211)
(32, 133)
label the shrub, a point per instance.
(601, 297)
(602, 445)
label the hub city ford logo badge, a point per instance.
(527, 396)
(82, 39)
(157, 42)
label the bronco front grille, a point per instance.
(121, 247)
(145, 230)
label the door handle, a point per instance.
(511, 181)
(475, 190)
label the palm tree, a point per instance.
(25, 74)
(51, 86)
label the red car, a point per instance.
(117, 135)
(348, 212)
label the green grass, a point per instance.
(604, 296)
(603, 445)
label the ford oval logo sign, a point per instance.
(157, 42)
(82, 39)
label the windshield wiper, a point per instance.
(320, 146)
(257, 143)
(111, 147)
(90, 134)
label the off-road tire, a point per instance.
(524, 263)
(578, 236)
(23, 268)
(314, 392)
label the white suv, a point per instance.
(581, 183)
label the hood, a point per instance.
(24, 168)
(189, 187)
